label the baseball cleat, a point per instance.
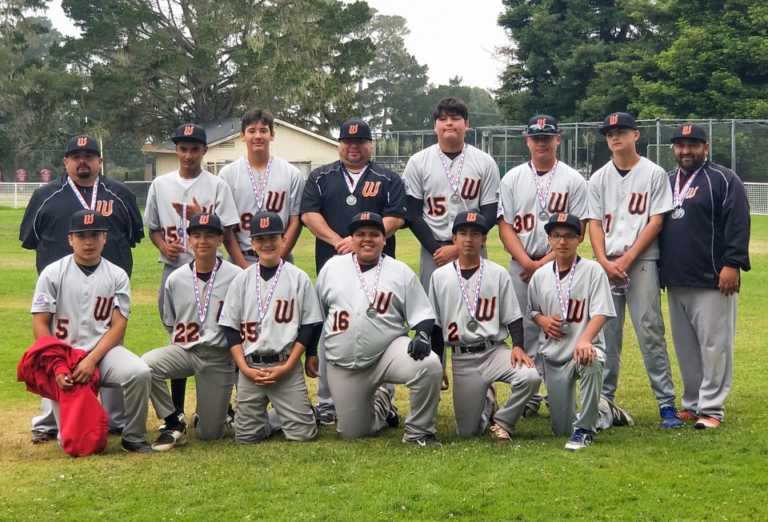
(182, 420)
(498, 433)
(326, 416)
(171, 438)
(707, 423)
(424, 441)
(393, 417)
(445, 385)
(620, 416)
(41, 437)
(687, 416)
(136, 447)
(579, 440)
(669, 418)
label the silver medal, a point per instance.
(472, 325)
(678, 213)
(455, 198)
(371, 312)
(543, 215)
(564, 327)
(351, 200)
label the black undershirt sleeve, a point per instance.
(489, 213)
(309, 334)
(515, 329)
(419, 226)
(232, 335)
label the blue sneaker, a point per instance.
(579, 440)
(669, 418)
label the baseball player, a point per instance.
(367, 318)
(477, 309)
(528, 195)
(85, 300)
(333, 195)
(271, 316)
(172, 199)
(45, 228)
(570, 300)
(704, 244)
(260, 181)
(194, 298)
(627, 200)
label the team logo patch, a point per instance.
(105, 208)
(204, 219)
(562, 217)
(687, 130)
(613, 119)
(88, 219)
(471, 217)
(353, 129)
(188, 130)
(371, 188)
(364, 216)
(541, 122)
(82, 141)
(40, 300)
(263, 222)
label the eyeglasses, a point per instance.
(547, 127)
(563, 237)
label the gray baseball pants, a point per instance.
(362, 404)
(214, 374)
(703, 329)
(644, 301)
(474, 373)
(561, 386)
(290, 401)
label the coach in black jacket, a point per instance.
(704, 244)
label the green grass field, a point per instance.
(641, 472)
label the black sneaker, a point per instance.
(41, 437)
(136, 447)
(170, 438)
(326, 416)
(393, 418)
(424, 441)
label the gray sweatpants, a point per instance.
(214, 373)
(644, 301)
(120, 369)
(561, 384)
(360, 399)
(290, 401)
(703, 328)
(473, 373)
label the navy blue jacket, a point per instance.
(713, 233)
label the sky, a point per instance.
(452, 37)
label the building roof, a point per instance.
(220, 132)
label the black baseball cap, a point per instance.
(204, 220)
(618, 120)
(355, 129)
(367, 219)
(86, 220)
(190, 132)
(689, 131)
(266, 224)
(542, 125)
(82, 143)
(470, 218)
(562, 219)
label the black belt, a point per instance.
(473, 348)
(267, 359)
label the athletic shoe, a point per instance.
(136, 447)
(707, 423)
(498, 433)
(393, 418)
(424, 441)
(620, 416)
(326, 416)
(579, 440)
(41, 437)
(170, 438)
(669, 418)
(687, 416)
(181, 418)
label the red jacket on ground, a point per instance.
(82, 419)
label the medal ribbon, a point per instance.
(563, 300)
(202, 308)
(263, 307)
(471, 309)
(447, 164)
(679, 194)
(80, 196)
(348, 178)
(259, 189)
(542, 190)
(371, 297)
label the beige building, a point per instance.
(301, 147)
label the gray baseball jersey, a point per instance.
(180, 312)
(281, 191)
(211, 193)
(81, 305)
(351, 338)
(520, 206)
(475, 172)
(293, 303)
(496, 305)
(625, 204)
(590, 296)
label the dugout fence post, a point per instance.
(711, 141)
(15, 195)
(733, 144)
(658, 140)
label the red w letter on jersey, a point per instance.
(575, 310)
(103, 309)
(284, 310)
(486, 309)
(275, 201)
(371, 189)
(382, 301)
(638, 202)
(470, 189)
(104, 207)
(558, 201)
